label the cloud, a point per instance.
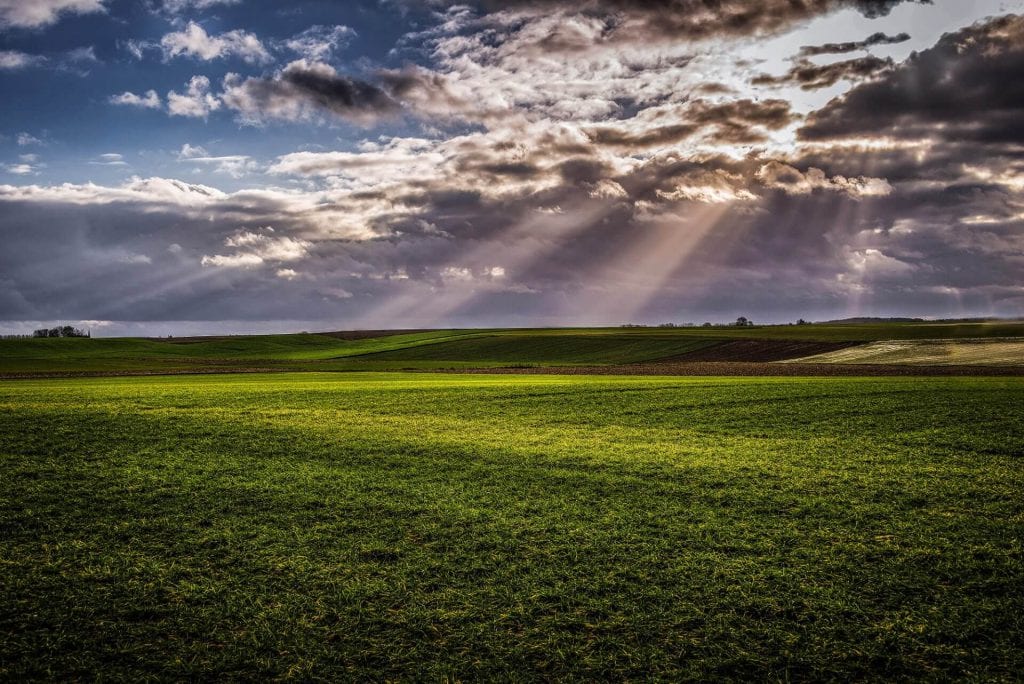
(256, 248)
(738, 121)
(690, 19)
(189, 151)
(811, 76)
(109, 159)
(194, 41)
(195, 102)
(717, 186)
(608, 189)
(319, 43)
(780, 176)
(853, 46)
(235, 166)
(553, 162)
(175, 7)
(83, 54)
(304, 90)
(20, 169)
(876, 263)
(25, 139)
(957, 90)
(37, 13)
(12, 60)
(149, 100)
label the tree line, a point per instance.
(61, 331)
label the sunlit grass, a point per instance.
(417, 527)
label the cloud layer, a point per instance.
(546, 162)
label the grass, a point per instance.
(529, 348)
(438, 349)
(991, 351)
(428, 527)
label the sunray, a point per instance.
(515, 249)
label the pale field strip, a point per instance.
(1004, 351)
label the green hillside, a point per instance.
(439, 349)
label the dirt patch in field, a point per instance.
(737, 368)
(758, 350)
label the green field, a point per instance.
(978, 352)
(425, 527)
(441, 349)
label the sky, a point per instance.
(173, 167)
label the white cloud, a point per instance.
(194, 41)
(235, 166)
(253, 249)
(330, 213)
(13, 59)
(136, 48)
(710, 187)
(189, 151)
(607, 189)
(457, 273)
(179, 6)
(318, 43)
(335, 293)
(35, 13)
(150, 100)
(287, 273)
(20, 169)
(196, 102)
(83, 54)
(26, 139)
(109, 159)
(792, 181)
(873, 262)
(134, 259)
(155, 191)
(232, 260)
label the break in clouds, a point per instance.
(414, 163)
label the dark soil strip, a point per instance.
(350, 335)
(707, 368)
(765, 369)
(759, 350)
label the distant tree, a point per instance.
(61, 331)
(801, 322)
(706, 324)
(743, 321)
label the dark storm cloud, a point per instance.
(423, 90)
(842, 48)
(697, 19)
(810, 76)
(304, 88)
(967, 87)
(658, 135)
